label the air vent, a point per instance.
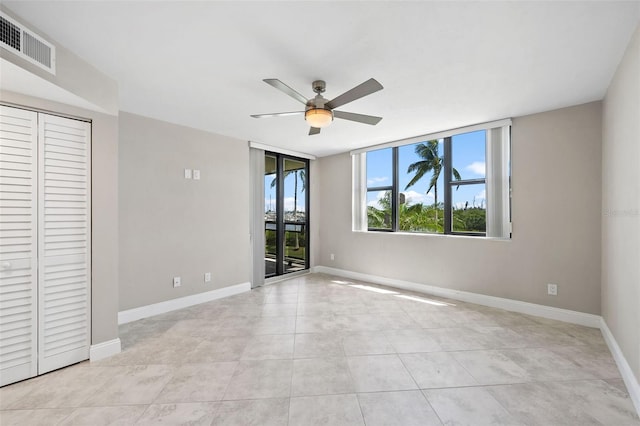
(10, 34)
(25, 43)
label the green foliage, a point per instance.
(380, 218)
(290, 247)
(421, 218)
(294, 239)
(470, 220)
(425, 218)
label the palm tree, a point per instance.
(431, 162)
(303, 178)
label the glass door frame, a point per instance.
(280, 213)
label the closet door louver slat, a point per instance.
(18, 244)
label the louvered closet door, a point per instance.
(64, 242)
(18, 244)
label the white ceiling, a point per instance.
(443, 64)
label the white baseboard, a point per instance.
(625, 370)
(182, 302)
(104, 349)
(550, 312)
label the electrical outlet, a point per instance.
(176, 282)
(187, 173)
(552, 289)
(196, 174)
(333, 256)
(207, 277)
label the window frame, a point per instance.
(448, 188)
(280, 211)
(500, 149)
(394, 190)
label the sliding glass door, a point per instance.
(285, 216)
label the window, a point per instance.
(453, 182)
(379, 189)
(285, 214)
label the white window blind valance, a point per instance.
(279, 150)
(437, 135)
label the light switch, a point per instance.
(196, 174)
(187, 173)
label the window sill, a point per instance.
(427, 235)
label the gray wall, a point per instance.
(621, 206)
(171, 226)
(556, 222)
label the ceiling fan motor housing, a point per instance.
(317, 102)
(316, 114)
(319, 86)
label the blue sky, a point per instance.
(468, 158)
(289, 185)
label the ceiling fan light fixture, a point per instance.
(318, 117)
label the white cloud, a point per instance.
(289, 202)
(375, 203)
(477, 167)
(414, 197)
(482, 195)
(371, 181)
(411, 198)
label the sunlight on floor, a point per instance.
(422, 300)
(374, 289)
(395, 293)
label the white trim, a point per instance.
(498, 182)
(182, 302)
(550, 312)
(437, 135)
(280, 150)
(104, 349)
(359, 192)
(625, 370)
(279, 278)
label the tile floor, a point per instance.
(320, 350)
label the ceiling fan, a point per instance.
(319, 112)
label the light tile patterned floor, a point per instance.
(320, 350)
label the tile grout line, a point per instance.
(293, 354)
